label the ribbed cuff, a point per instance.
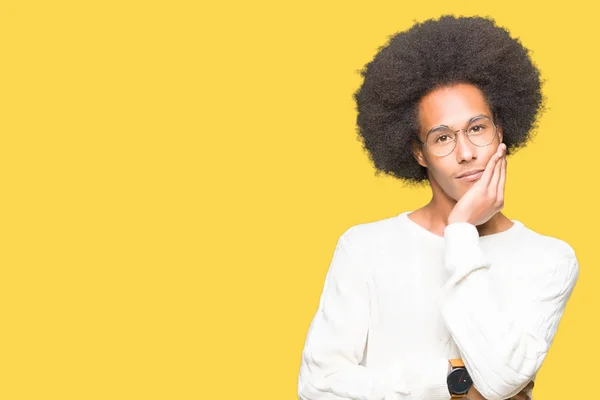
(462, 253)
(410, 383)
(438, 389)
(433, 386)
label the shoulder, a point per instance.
(371, 235)
(545, 246)
(554, 257)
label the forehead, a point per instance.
(452, 106)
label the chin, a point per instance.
(452, 188)
(458, 193)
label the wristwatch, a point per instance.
(459, 381)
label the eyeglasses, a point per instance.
(441, 140)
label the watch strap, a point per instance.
(456, 363)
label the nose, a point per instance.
(465, 150)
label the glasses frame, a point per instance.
(478, 117)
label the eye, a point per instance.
(477, 128)
(441, 139)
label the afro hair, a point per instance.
(434, 54)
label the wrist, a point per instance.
(456, 220)
(458, 379)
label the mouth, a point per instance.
(471, 175)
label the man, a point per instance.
(453, 300)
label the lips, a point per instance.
(471, 172)
(471, 175)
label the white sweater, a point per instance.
(399, 301)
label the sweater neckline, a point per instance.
(515, 227)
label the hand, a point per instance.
(524, 394)
(474, 394)
(486, 197)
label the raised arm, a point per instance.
(502, 351)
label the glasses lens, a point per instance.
(441, 141)
(481, 131)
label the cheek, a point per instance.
(444, 176)
(442, 168)
(486, 156)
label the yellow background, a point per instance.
(175, 176)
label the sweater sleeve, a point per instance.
(336, 342)
(502, 351)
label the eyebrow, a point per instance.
(437, 127)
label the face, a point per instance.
(453, 106)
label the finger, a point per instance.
(489, 168)
(502, 181)
(493, 185)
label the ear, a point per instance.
(417, 151)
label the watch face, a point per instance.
(459, 381)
